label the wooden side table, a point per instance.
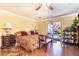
(8, 40)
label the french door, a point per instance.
(54, 29)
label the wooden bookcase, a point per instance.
(70, 36)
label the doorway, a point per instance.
(54, 30)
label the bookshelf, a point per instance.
(70, 36)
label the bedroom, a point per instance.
(17, 17)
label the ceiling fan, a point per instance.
(44, 5)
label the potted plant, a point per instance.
(74, 24)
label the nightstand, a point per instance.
(8, 40)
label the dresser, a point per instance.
(8, 40)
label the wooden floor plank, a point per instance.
(56, 49)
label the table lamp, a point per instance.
(7, 27)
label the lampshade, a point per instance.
(36, 28)
(7, 25)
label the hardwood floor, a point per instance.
(62, 49)
(57, 49)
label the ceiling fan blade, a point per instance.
(50, 7)
(38, 7)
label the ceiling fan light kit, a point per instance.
(44, 5)
(38, 7)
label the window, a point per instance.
(50, 27)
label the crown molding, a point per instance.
(17, 15)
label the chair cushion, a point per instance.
(47, 41)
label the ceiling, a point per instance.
(28, 10)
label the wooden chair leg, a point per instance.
(51, 42)
(46, 45)
(39, 44)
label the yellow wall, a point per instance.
(65, 22)
(42, 27)
(18, 23)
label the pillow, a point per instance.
(18, 34)
(29, 33)
(32, 32)
(36, 32)
(23, 33)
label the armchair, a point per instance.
(44, 40)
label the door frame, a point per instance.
(60, 26)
